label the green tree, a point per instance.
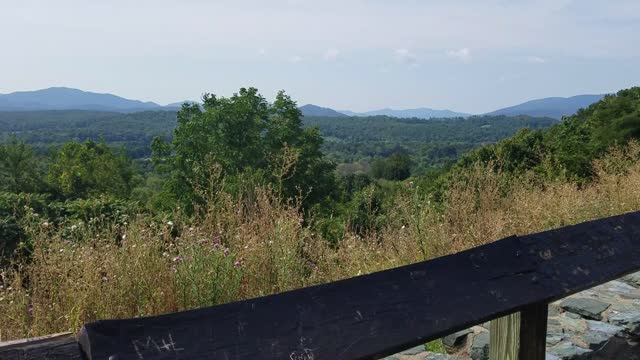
(19, 168)
(395, 167)
(244, 137)
(81, 170)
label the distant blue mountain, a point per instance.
(62, 98)
(554, 107)
(421, 113)
(315, 110)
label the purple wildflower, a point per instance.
(226, 251)
(178, 259)
(237, 263)
(216, 245)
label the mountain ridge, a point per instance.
(554, 107)
(65, 98)
(421, 113)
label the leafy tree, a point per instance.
(19, 168)
(245, 137)
(81, 170)
(395, 167)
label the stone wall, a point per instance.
(599, 323)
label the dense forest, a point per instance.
(243, 197)
(353, 143)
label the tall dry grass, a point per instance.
(241, 249)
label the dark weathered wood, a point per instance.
(533, 332)
(50, 347)
(375, 315)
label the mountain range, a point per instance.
(63, 98)
(421, 113)
(553, 107)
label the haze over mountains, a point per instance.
(554, 107)
(62, 98)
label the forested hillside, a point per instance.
(568, 148)
(358, 140)
(240, 198)
(351, 141)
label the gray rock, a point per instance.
(568, 351)
(572, 315)
(414, 350)
(553, 339)
(630, 321)
(594, 340)
(588, 308)
(632, 279)
(554, 308)
(602, 327)
(548, 356)
(480, 346)
(456, 339)
(434, 356)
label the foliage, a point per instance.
(19, 168)
(569, 148)
(66, 283)
(395, 167)
(79, 170)
(245, 137)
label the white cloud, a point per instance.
(295, 59)
(536, 60)
(463, 54)
(331, 54)
(406, 57)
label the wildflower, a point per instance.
(237, 264)
(73, 227)
(177, 259)
(226, 251)
(170, 223)
(216, 245)
(402, 227)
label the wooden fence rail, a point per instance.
(371, 316)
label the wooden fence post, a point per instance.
(520, 336)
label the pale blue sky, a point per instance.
(465, 55)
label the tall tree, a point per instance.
(18, 167)
(243, 137)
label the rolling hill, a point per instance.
(420, 113)
(554, 107)
(314, 110)
(62, 98)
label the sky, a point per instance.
(465, 55)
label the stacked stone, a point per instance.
(599, 323)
